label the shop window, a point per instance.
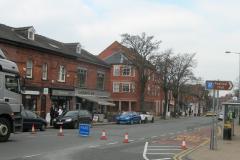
(100, 81)
(82, 76)
(44, 71)
(62, 74)
(126, 70)
(116, 70)
(116, 87)
(29, 69)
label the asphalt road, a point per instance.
(48, 146)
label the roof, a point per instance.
(18, 36)
(117, 48)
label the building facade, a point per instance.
(55, 73)
(125, 84)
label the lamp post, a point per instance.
(238, 73)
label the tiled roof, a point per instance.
(20, 37)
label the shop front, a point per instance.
(97, 102)
(62, 99)
(29, 99)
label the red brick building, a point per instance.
(124, 81)
(55, 73)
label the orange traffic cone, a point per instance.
(184, 146)
(103, 136)
(126, 138)
(60, 133)
(33, 129)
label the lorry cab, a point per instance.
(10, 98)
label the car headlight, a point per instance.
(69, 120)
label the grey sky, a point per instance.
(202, 26)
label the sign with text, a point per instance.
(219, 85)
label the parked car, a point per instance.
(128, 118)
(30, 118)
(71, 119)
(146, 117)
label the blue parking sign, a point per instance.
(209, 84)
(84, 130)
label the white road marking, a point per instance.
(163, 149)
(161, 153)
(154, 136)
(145, 151)
(165, 146)
(163, 135)
(112, 143)
(34, 155)
(94, 146)
(162, 159)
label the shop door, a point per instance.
(43, 106)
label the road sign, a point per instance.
(84, 130)
(219, 85)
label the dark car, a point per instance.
(71, 119)
(128, 117)
(30, 118)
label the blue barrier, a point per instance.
(84, 130)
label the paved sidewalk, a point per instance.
(227, 149)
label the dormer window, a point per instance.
(31, 33)
(78, 48)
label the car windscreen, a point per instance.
(126, 113)
(71, 113)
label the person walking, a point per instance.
(52, 114)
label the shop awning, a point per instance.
(96, 99)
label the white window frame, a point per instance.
(126, 67)
(62, 74)
(116, 70)
(116, 87)
(44, 71)
(129, 87)
(29, 69)
(78, 49)
(31, 33)
(103, 74)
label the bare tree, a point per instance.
(164, 64)
(142, 47)
(183, 72)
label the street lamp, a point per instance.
(239, 72)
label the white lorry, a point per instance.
(10, 98)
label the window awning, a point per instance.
(96, 99)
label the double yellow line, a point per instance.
(182, 154)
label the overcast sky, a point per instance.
(205, 27)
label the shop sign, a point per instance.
(62, 93)
(92, 92)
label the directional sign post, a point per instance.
(216, 86)
(219, 85)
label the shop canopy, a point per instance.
(98, 100)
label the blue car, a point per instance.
(128, 118)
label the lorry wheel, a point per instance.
(4, 129)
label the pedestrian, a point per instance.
(60, 111)
(52, 114)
